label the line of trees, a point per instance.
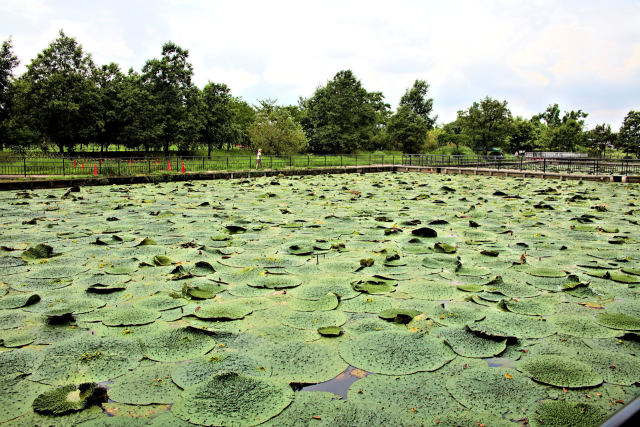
(64, 100)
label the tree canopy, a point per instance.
(342, 115)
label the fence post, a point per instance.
(383, 160)
(289, 161)
(521, 157)
(340, 160)
(249, 162)
(63, 166)
(203, 163)
(270, 162)
(393, 159)
(369, 159)
(544, 165)
(24, 164)
(356, 159)
(118, 166)
(325, 160)
(227, 162)
(307, 160)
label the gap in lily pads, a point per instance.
(338, 385)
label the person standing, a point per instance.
(259, 159)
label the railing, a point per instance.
(585, 166)
(65, 166)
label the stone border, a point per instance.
(196, 176)
(145, 179)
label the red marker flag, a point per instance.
(169, 165)
(95, 169)
(74, 163)
(182, 167)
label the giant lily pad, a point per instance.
(559, 371)
(233, 399)
(495, 390)
(469, 344)
(396, 353)
(177, 344)
(145, 386)
(86, 358)
(563, 413)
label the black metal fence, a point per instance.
(585, 166)
(65, 166)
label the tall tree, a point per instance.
(523, 136)
(342, 116)
(277, 133)
(629, 134)
(61, 95)
(169, 81)
(110, 80)
(243, 115)
(560, 134)
(487, 124)
(141, 115)
(416, 99)
(408, 130)
(8, 61)
(599, 138)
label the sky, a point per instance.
(579, 54)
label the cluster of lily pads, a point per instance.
(453, 300)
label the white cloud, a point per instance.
(531, 53)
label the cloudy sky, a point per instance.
(580, 54)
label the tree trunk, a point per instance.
(209, 149)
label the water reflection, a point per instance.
(340, 384)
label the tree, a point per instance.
(487, 124)
(452, 134)
(629, 134)
(243, 115)
(109, 80)
(408, 130)
(169, 82)
(60, 94)
(342, 116)
(560, 134)
(523, 136)
(599, 138)
(141, 116)
(416, 99)
(277, 133)
(8, 61)
(217, 116)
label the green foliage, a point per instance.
(407, 130)
(233, 399)
(277, 133)
(629, 135)
(416, 99)
(523, 136)
(8, 61)
(169, 81)
(140, 115)
(217, 116)
(600, 138)
(487, 124)
(342, 116)
(59, 94)
(560, 134)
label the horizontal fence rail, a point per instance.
(69, 166)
